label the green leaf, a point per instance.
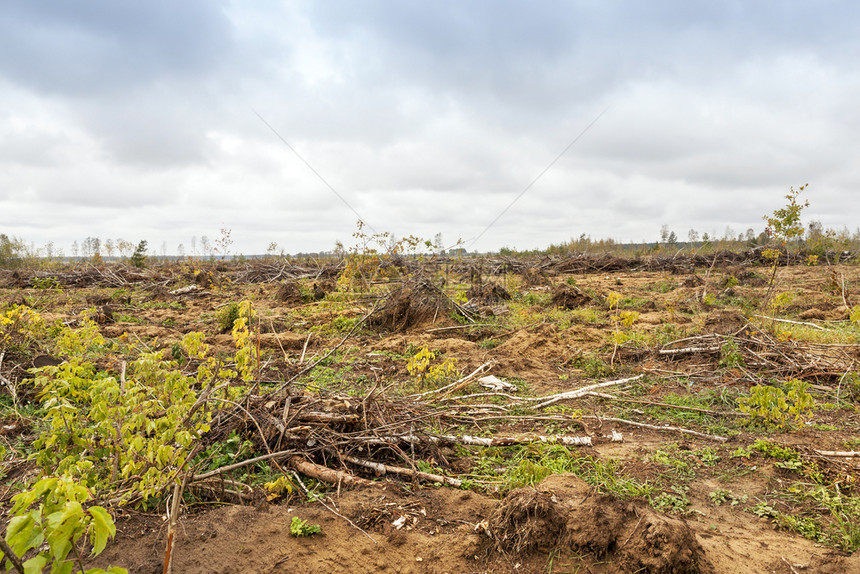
(24, 533)
(35, 565)
(62, 567)
(103, 527)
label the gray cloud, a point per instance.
(96, 48)
(137, 120)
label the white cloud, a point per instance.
(137, 121)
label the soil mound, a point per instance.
(569, 297)
(562, 512)
(541, 343)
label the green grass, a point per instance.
(526, 465)
(126, 318)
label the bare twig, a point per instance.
(13, 558)
(229, 467)
(416, 474)
(668, 406)
(850, 453)
(792, 322)
(456, 327)
(580, 392)
(661, 428)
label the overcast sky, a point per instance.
(137, 120)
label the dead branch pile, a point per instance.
(760, 356)
(268, 272)
(85, 275)
(330, 437)
(680, 263)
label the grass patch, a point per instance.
(527, 465)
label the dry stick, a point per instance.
(455, 327)
(848, 453)
(13, 558)
(790, 567)
(304, 349)
(482, 441)
(792, 322)
(326, 474)
(351, 523)
(475, 395)
(579, 392)
(416, 474)
(841, 379)
(687, 350)
(278, 341)
(247, 462)
(171, 526)
(660, 428)
(668, 406)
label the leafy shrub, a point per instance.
(50, 519)
(420, 366)
(227, 316)
(776, 406)
(730, 355)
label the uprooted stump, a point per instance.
(415, 303)
(289, 292)
(533, 277)
(564, 512)
(569, 297)
(488, 293)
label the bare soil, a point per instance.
(561, 524)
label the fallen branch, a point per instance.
(481, 441)
(580, 392)
(688, 350)
(416, 474)
(668, 406)
(329, 418)
(455, 327)
(229, 467)
(507, 441)
(326, 474)
(848, 453)
(792, 322)
(717, 438)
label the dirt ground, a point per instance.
(562, 523)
